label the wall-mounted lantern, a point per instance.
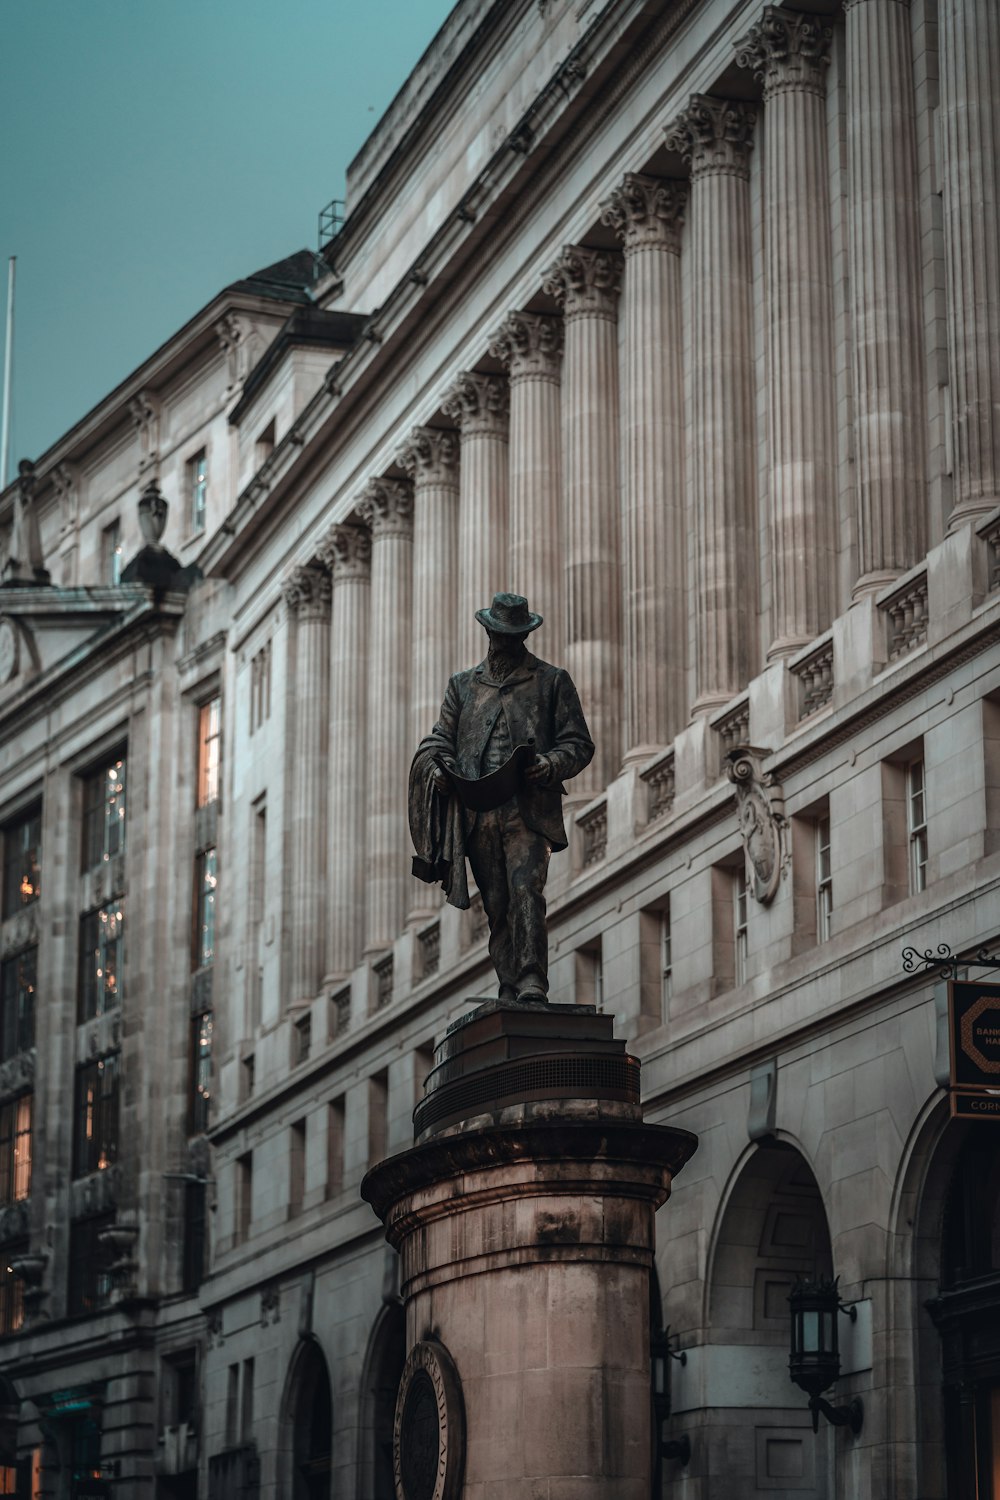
(814, 1362)
(660, 1355)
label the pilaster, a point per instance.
(346, 552)
(587, 283)
(648, 214)
(790, 53)
(306, 592)
(716, 136)
(531, 346)
(386, 507)
(885, 292)
(969, 51)
(479, 406)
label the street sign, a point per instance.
(974, 1033)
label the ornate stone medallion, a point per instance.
(761, 811)
(428, 1441)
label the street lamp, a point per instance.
(814, 1362)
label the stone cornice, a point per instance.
(346, 551)
(479, 404)
(714, 135)
(789, 52)
(306, 591)
(530, 345)
(430, 456)
(386, 507)
(586, 282)
(647, 212)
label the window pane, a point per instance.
(22, 849)
(18, 978)
(104, 814)
(202, 1072)
(96, 1133)
(102, 944)
(208, 752)
(207, 879)
(11, 1288)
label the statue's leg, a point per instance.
(527, 860)
(486, 856)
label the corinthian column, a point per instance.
(530, 345)
(969, 52)
(586, 283)
(885, 292)
(386, 507)
(346, 551)
(478, 405)
(790, 53)
(647, 214)
(716, 136)
(430, 457)
(307, 595)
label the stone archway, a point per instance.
(379, 1384)
(306, 1460)
(772, 1231)
(958, 1228)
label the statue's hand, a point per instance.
(440, 782)
(540, 771)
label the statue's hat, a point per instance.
(509, 614)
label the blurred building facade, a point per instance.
(680, 319)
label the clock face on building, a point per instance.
(429, 1434)
(8, 651)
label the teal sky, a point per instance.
(155, 150)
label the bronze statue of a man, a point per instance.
(510, 728)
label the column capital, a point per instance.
(585, 281)
(430, 456)
(478, 404)
(530, 345)
(347, 551)
(386, 507)
(306, 591)
(787, 51)
(646, 212)
(715, 135)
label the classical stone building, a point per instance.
(682, 319)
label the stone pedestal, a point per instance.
(525, 1222)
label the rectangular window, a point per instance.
(22, 860)
(296, 1168)
(102, 950)
(244, 1196)
(209, 745)
(193, 1269)
(95, 1141)
(666, 958)
(378, 1098)
(18, 981)
(15, 1150)
(232, 1404)
(741, 899)
(335, 1149)
(104, 813)
(265, 444)
(916, 825)
(303, 1038)
(201, 1072)
(198, 489)
(206, 881)
(257, 895)
(824, 881)
(11, 1288)
(111, 553)
(249, 1075)
(589, 974)
(246, 1403)
(260, 687)
(90, 1280)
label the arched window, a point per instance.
(380, 1384)
(310, 1413)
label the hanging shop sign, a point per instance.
(974, 1036)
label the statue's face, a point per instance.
(506, 645)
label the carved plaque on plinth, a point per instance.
(429, 1431)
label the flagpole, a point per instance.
(8, 361)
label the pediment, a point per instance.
(44, 627)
